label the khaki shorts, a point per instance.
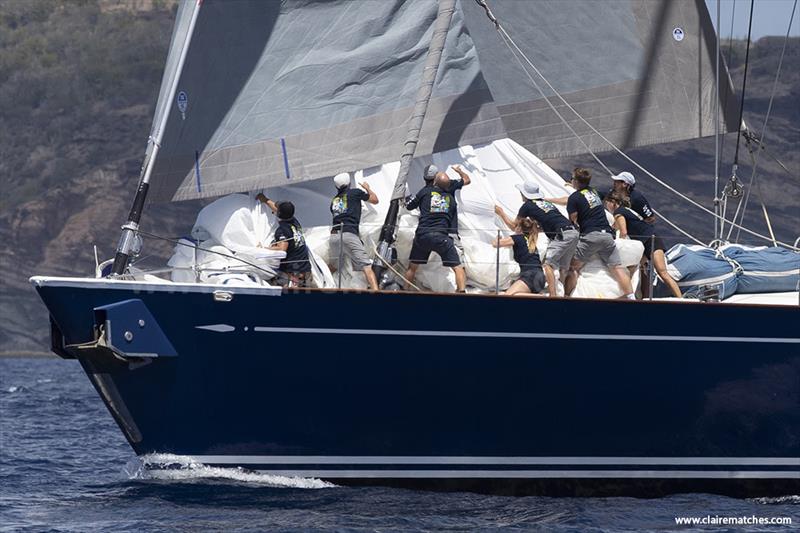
(600, 243)
(352, 249)
(561, 249)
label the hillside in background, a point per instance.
(78, 84)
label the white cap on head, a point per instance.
(341, 180)
(530, 190)
(626, 177)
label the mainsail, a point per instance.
(274, 93)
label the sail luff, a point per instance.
(127, 241)
(435, 48)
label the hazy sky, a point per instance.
(770, 17)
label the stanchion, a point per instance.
(341, 251)
(650, 269)
(497, 266)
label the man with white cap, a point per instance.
(345, 241)
(624, 183)
(562, 233)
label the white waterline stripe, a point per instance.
(521, 335)
(534, 474)
(477, 460)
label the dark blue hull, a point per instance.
(509, 395)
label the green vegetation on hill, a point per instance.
(77, 85)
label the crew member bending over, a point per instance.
(295, 268)
(436, 210)
(629, 223)
(585, 208)
(531, 278)
(345, 241)
(561, 232)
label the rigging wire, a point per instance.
(503, 35)
(207, 250)
(502, 30)
(733, 188)
(760, 142)
(744, 86)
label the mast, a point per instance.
(128, 239)
(716, 131)
(441, 27)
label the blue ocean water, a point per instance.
(64, 466)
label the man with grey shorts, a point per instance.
(585, 208)
(345, 242)
(561, 232)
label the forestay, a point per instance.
(274, 93)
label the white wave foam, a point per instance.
(793, 500)
(162, 466)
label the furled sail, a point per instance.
(274, 93)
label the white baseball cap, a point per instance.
(626, 177)
(341, 180)
(530, 190)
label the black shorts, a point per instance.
(655, 243)
(534, 279)
(439, 242)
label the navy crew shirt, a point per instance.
(346, 209)
(296, 259)
(528, 260)
(637, 228)
(546, 214)
(588, 204)
(436, 208)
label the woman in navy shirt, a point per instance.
(531, 276)
(629, 223)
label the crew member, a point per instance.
(345, 241)
(585, 208)
(625, 183)
(295, 268)
(531, 278)
(453, 231)
(435, 220)
(629, 223)
(561, 232)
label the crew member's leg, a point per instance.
(518, 287)
(420, 250)
(357, 254)
(446, 248)
(607, 250)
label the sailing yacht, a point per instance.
(556, 396)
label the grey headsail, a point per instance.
(274, 93)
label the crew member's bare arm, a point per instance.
(574, 217)
(504, 242)
(373, 198)
(561, 200)
(464, 176)
(280, 245)
(621, 225)
(266, 201)
(511, 224)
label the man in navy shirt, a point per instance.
(436, 206)
(295, 268)
(624, 183)
(345, 242)
(585, 208)
(561, 232)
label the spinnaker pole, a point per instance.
(435, 49)
(128, 239)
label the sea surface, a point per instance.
(65, 466)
